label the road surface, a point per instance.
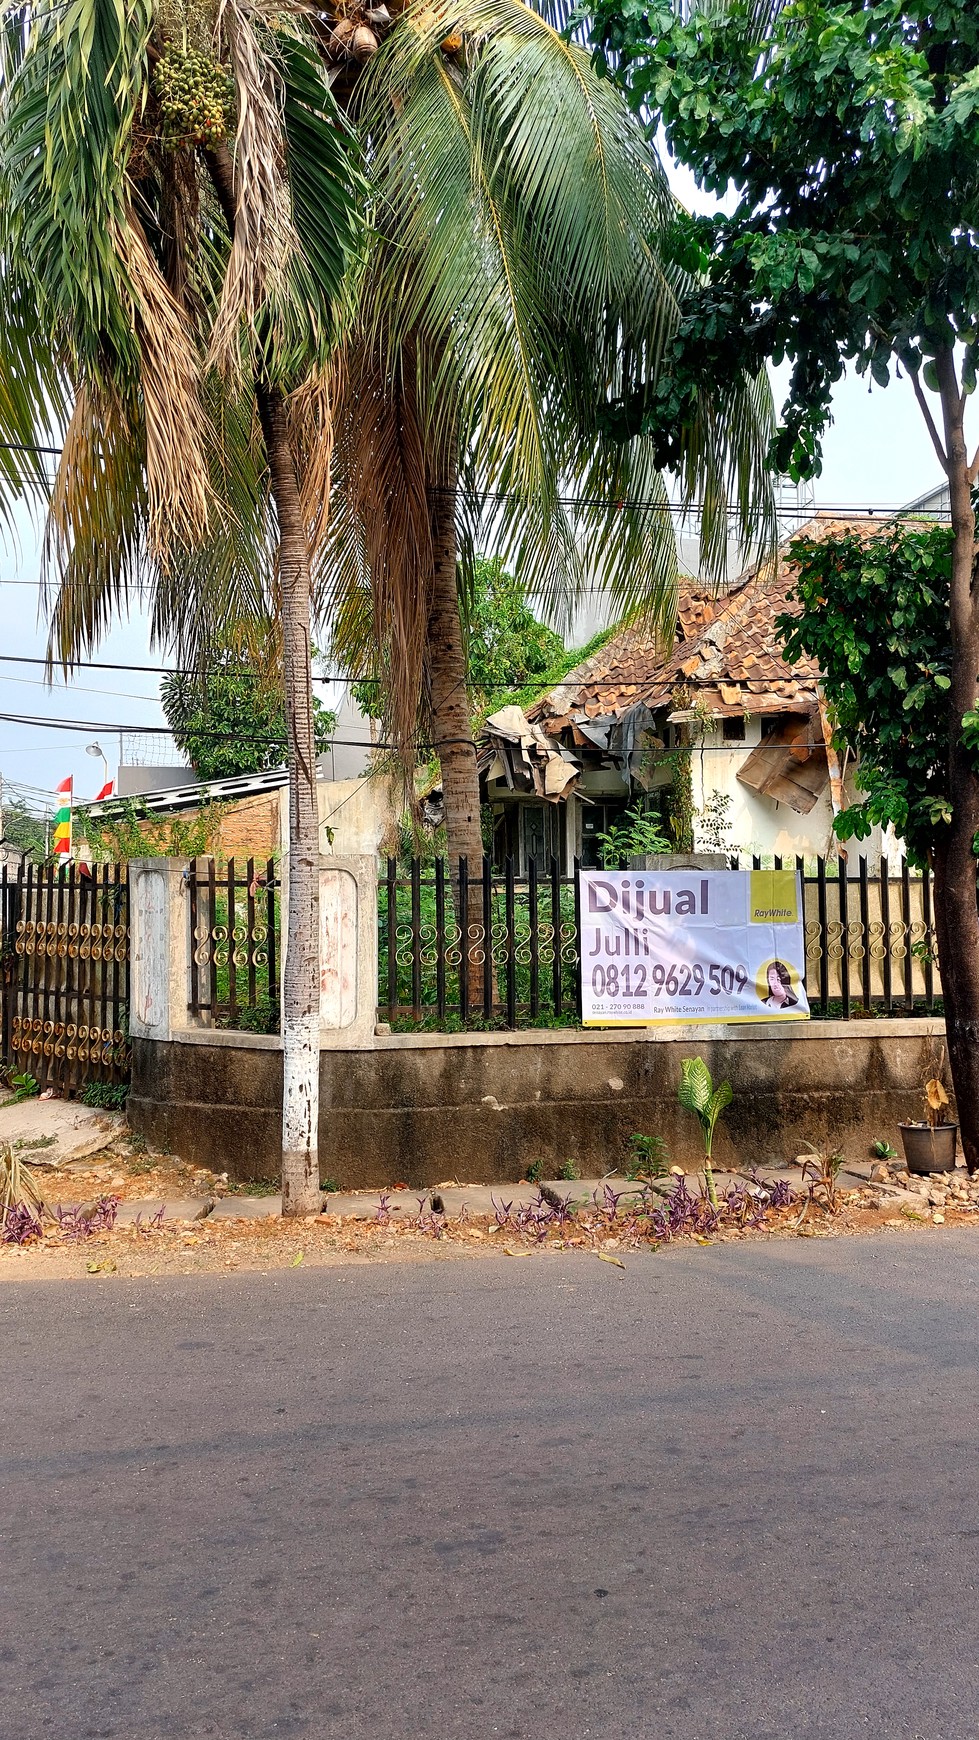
(727, 1494)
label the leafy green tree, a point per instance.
(510, 654)
(23, 829)
(509, 649)
(232, 720)
(875, 620)
(849, 133)
(180, 215)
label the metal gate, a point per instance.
(64, 952)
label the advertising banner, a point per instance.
(691, 945)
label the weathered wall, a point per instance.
(419, 1109)
(359, 812)
(250, 828)
(758, 824)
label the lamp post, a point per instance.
(96, 749)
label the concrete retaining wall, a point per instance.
(419, 1109)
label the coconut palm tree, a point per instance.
(520, 290)
(179, 210)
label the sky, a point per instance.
(876, 454)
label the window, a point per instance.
(542, 833)
(734, 729)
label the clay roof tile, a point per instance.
(723, 641)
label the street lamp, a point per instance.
(96, 749)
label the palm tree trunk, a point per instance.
(452, 731)
(301, 969)
(452, 726)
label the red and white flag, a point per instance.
(106, 792)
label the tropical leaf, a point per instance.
(119, 271)
(720, 1099)
(696, 1087)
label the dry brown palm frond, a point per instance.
(177, 486)
(17, 1184)
(180, 233)
(264, 239)
(81, 466)
(383, 471)
(94, 550)
(310, 414)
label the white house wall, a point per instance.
(758, 824)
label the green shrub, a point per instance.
(649, 1157)
(107, 1096)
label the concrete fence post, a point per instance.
(159, 948)
(348, 950)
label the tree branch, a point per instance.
(974, 467)
(929, 419)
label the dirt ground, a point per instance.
(131, 1176)
(190, 1246)
(184, 1237)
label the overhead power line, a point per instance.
(32, 721)
(679, 511)
(335, 742)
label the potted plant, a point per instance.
(930, 1146)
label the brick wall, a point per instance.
(251, 828)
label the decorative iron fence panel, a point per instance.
(869, 937)
(234, 914)
(64, 947)
(483, 948)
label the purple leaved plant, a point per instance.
(20, 1225)
(84, 1223)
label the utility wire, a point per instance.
(643, 503)
(335, 742)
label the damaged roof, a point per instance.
(726, 651)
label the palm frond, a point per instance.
(65, 137)
(94, 555)
(265, 240)
(384, 470)
(311, 423)
(178, 497)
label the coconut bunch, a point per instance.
(355, 30)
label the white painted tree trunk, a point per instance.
(301, 972)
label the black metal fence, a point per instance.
(500, 949)
(64, 955)
(483, 948)
(234, 915)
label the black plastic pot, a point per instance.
(929, 1147)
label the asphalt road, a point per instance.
(728, 1494)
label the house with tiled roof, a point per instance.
(715, 730)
